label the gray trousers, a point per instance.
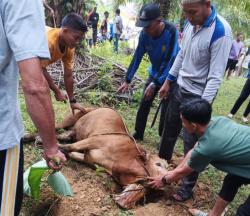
(172, 128)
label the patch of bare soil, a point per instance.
(93, 197)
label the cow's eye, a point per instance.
(158, 164)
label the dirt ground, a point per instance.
(93, 191)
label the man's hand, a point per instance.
(156, 182)
(123, 88)
(54, 158)
(61, 96)
(164, 90)
(149, 92)
(52, 12)
(77, 106)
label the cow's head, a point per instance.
(155, 165)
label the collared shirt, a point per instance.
(22, 36)
(202, 60)
(161, 51)
(236, 50)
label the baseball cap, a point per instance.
(148, 13)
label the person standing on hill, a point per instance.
(104, 26)
(243, 96)
(117, 29)
(235, 53)
(93, 18)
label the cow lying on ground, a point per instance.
(103, 139)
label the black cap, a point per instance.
(148, 13)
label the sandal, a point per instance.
(197, 212)
(182, 195)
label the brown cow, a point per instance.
(103, 139)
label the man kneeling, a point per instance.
(222, 143)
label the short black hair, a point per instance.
(117, 11)
(196, 111)
(75, 22)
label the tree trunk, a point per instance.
(164, 6)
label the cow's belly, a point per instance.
(97, 156)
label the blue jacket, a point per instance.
(161, 51)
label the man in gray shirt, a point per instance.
(199, 66)
(23, 43)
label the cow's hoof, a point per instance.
(38, 142)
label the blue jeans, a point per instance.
(116, 41)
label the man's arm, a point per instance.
(52, 13)
(59, 95)
(39, 106)
(183, 169)
(69, 83)
(219, 55)
(170, 176)
(69, 86)
(50, 81)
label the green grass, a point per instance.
(225, 99)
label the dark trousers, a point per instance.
(243, 96)
(19, 186)
(230, 187)
(172, 128)
(94, 35)
(231, 64)
(144, 109)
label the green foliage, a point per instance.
(137, 95)
(125, 213)
(104, 77)
(33, 177)
(59, 184)
(99, 170)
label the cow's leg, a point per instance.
(71, 119)
(67, 136)
(77, 156)
(81, 146)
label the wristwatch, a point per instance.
(73, 100)
(164, 180)
(152, 84)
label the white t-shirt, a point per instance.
(118, 21)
